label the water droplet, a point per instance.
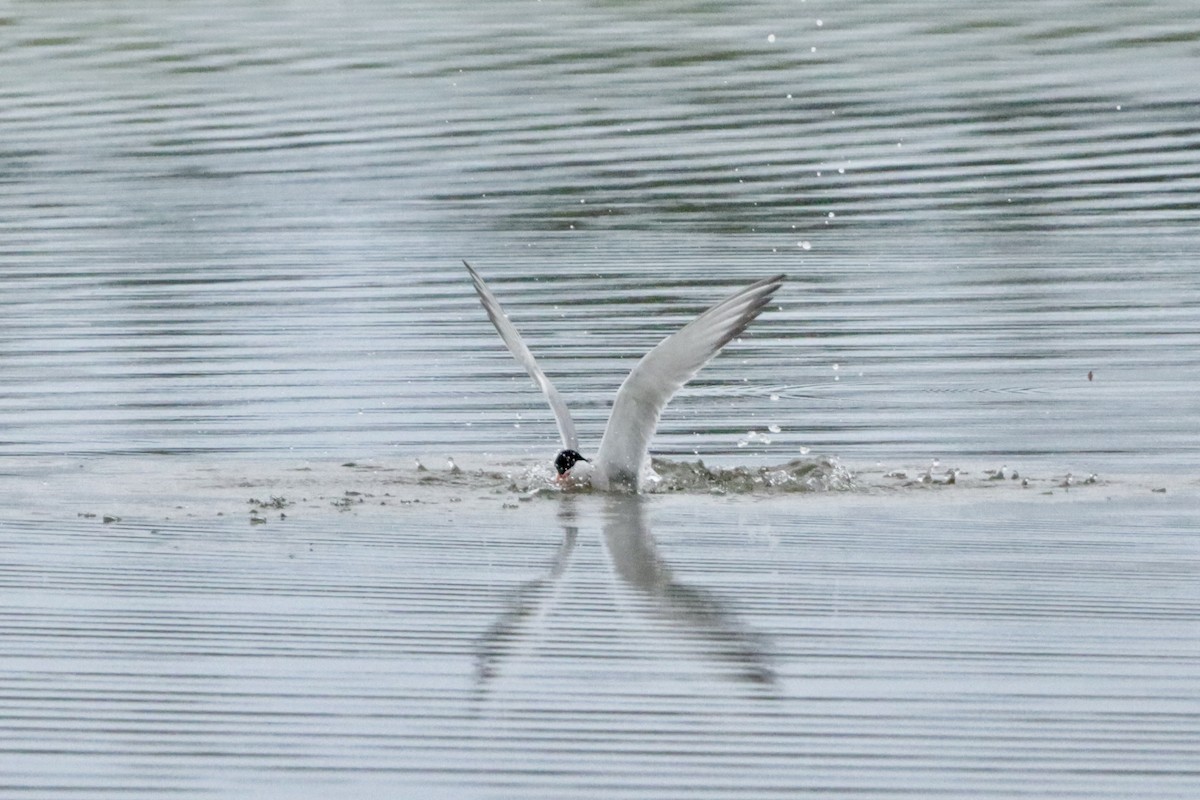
(771, 38)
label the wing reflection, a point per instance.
(694, 615)
(693, 612)
(518, 628)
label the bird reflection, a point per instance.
(693, 613)
(517, 628)
(636, 560)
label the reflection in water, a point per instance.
(715, 634)
(692, 611)
(517, 629)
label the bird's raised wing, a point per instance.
(664, 370)
(566, 427)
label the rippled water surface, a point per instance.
(230, 244)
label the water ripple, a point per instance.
(233, 231)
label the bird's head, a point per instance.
(564, 461)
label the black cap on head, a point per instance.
(567, 459)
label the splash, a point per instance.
(799, 475)
(695, 477)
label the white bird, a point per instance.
(619, 463)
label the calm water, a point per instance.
(230, 243)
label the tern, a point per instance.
(620, 463)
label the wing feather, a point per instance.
(663, 371)
(516, 346)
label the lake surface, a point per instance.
(234, 319)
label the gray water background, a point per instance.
(230, 243)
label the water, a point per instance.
(973, 645)
(229, 247)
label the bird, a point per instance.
(619, 464)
